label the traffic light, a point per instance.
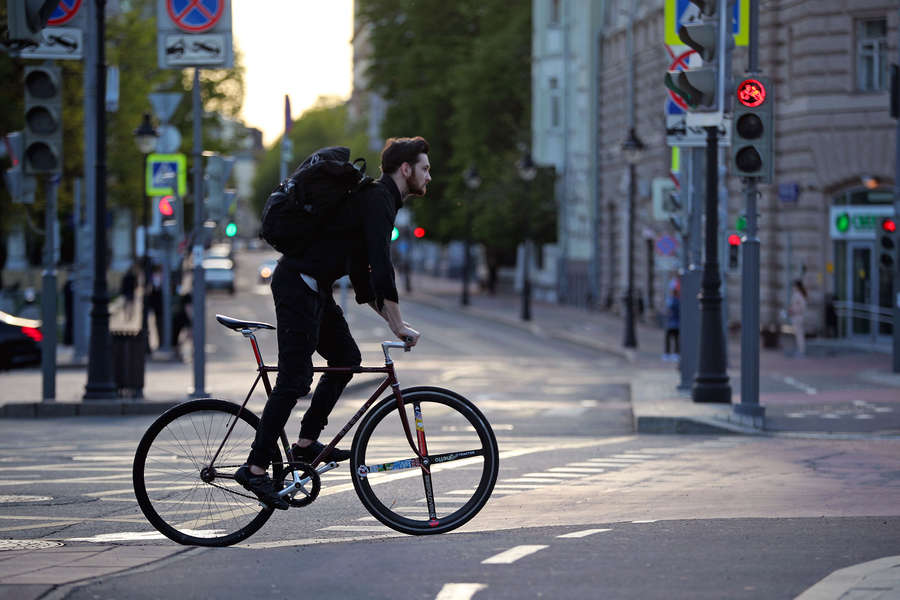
(887, 243)
(166, 211)
(734, 251)
(395, 233)
(419, 232)
(672, 206)
(707, 34)
(26, 19)
(231, 230)
(752, 132)
(43, 120)
(13, 175)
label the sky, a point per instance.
(295, 47)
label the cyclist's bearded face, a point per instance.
(417, 180)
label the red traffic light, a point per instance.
(751, 93)
(165, 206)
(889, 225)
(419, 232)
(734, 240)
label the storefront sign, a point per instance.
(856, 222)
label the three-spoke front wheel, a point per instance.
(462, 462)
(185, 494)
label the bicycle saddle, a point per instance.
(237, 324)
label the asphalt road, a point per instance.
(645, 516)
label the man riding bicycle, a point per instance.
(309, 320)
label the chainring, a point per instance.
(309, 491)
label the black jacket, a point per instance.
(359, 245)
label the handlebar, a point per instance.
(386, 348)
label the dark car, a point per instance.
(20, 342)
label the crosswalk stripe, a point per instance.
(459, 591)
(510, 556)
(583, 533)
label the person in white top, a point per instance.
(797, 311)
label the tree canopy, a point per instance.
(459, 74)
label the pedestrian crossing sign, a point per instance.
(163, 172)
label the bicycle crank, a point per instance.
(300, 484)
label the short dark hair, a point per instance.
(402, 150)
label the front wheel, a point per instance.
(436, 495)
(185, 494)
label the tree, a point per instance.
(460, 75)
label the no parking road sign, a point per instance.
(194, 33)
(163, 171)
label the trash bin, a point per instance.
(128, 348)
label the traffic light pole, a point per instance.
(749, 405)
(896, 273)
(711, 382)
(48, 296)
(198, 288)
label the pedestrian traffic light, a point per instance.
(26, 19)
(752, 132)
(166, 211)
(734, 251)
(231, 230)
(699, 86)
(886, 244)
(419, 232)
(395, 233)
(43, 120)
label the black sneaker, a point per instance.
(261, 485)
(310, 453)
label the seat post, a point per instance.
(248, 333)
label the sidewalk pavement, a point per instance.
(833, 391)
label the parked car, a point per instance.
(20, 341)
(219, 274)
(266, 269)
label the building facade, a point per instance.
(599, 65)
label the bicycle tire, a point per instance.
(175, 448)
(456, 415)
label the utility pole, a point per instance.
(199, 282)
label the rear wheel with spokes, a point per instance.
(460, 451)
(187, 496)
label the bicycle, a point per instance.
(184, 466)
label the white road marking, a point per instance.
(574, 470)
(863, 417)
(806, 389)
(558, 475)
(633, 455)
(359, 528)
(645, 521)
(531, 480)
(510, 556)
(581, 534)
(459, 591)
(524, 486)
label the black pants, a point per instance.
(671, 335)
(308, 322)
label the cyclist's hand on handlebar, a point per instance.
(408, 335)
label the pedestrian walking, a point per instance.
(673, 321)
(309, 320)
(127, 289)
(797, 312)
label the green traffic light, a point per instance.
(842, 222)
(231, 230)
(741, 223)
(395, 233)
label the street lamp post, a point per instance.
(145, 136)
(473, 182)
(527, 171)
(632, 148)
(100, 384)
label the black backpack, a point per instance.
(306, 205)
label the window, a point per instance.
(871, 55)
